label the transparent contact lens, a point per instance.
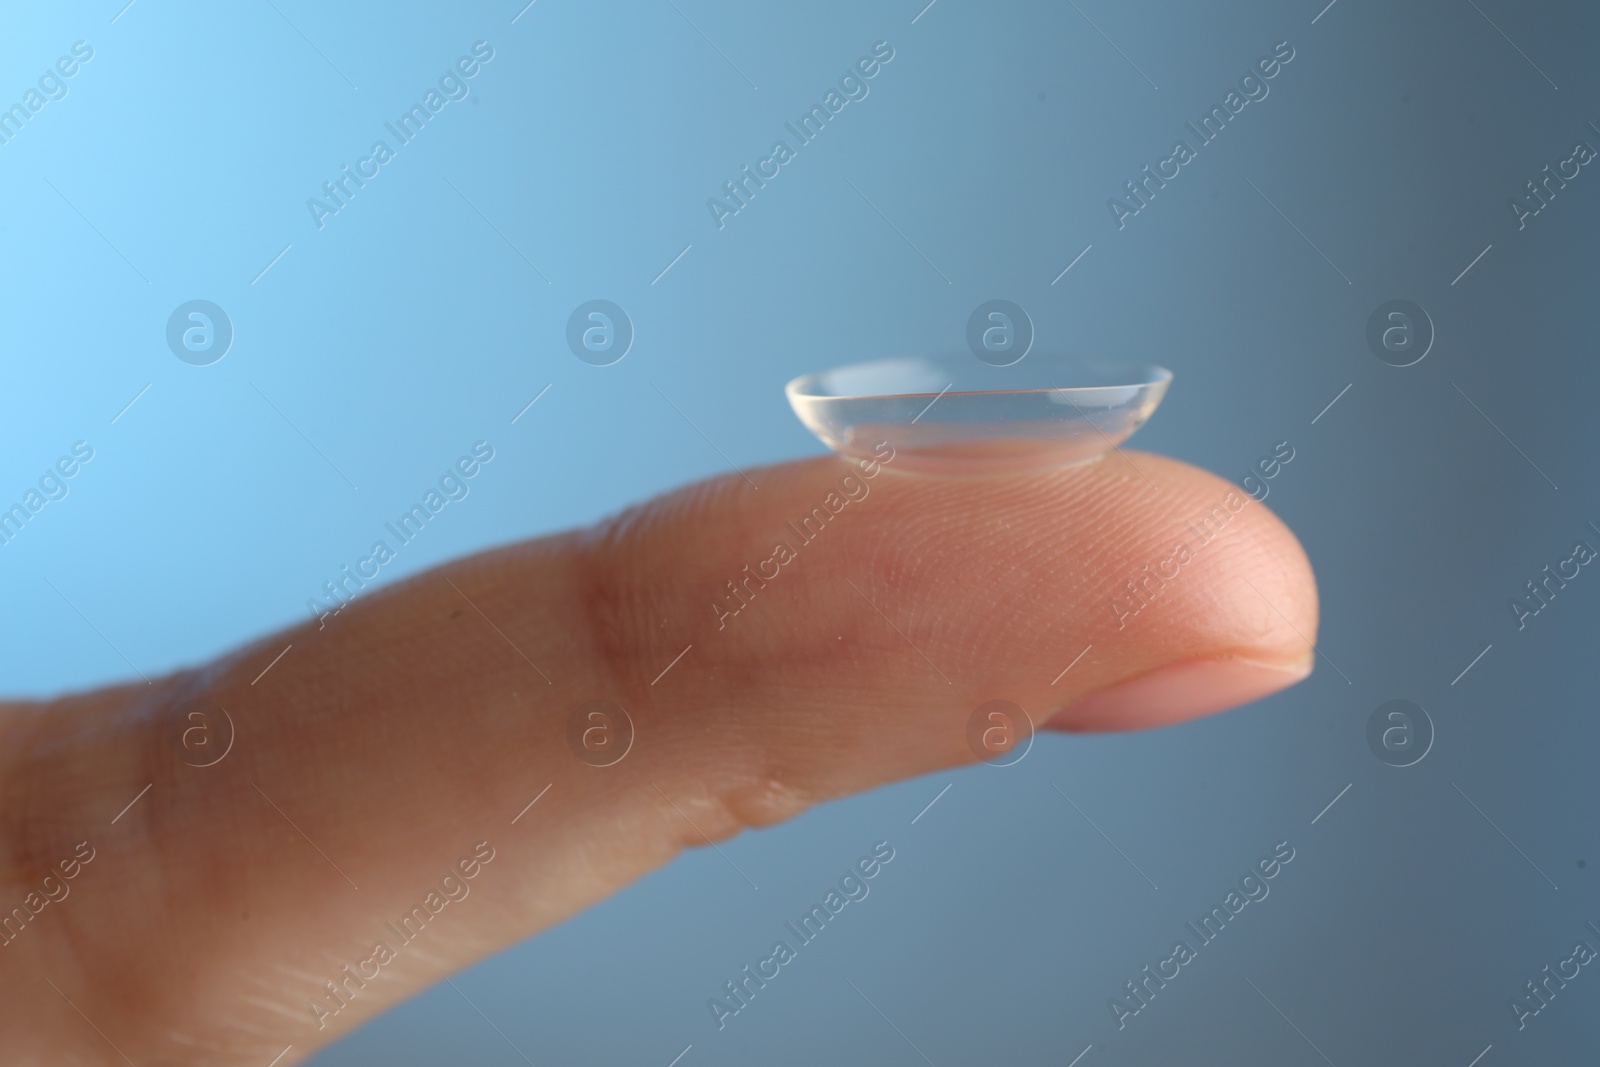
(957, 415)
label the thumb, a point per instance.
(757, 651)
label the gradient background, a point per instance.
(409, 327)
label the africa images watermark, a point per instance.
(851, 489)
(52, 486)
(53, 889)
(1254, 89)
(1543, 190)
(1541, 594)
(452, 87)
(452, 888)
(1541, 993)
(852, 887)
(1253, 888)
(52, 85)
(1145, 587)
(852, 87)
(405, 529)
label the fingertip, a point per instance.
(1178, 693)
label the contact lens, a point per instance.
(957, 415)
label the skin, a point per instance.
(411, 727)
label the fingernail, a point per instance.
(1179, 692)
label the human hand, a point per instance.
(406, 736)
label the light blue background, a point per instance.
(408, 328)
